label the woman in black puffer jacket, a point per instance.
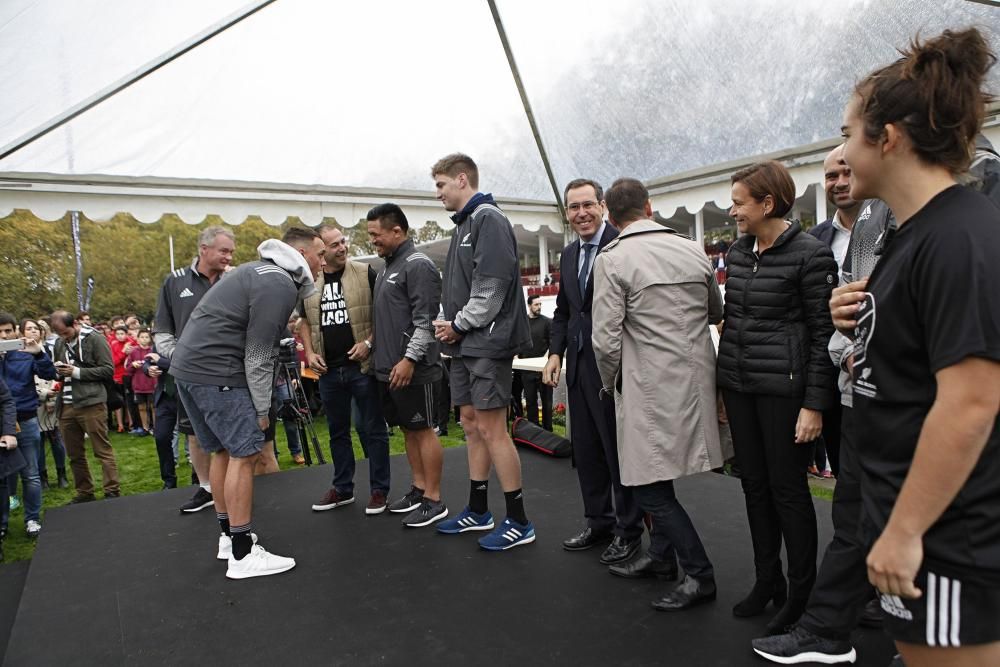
(776, 379)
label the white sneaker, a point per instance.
(226, 545)
(259, 563)
(33, 528)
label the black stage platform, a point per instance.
(132, 582)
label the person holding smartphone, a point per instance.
(19, 369)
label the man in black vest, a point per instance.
(592, 418)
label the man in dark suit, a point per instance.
(612, 513)
(835, 233)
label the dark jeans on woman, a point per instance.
(673, 530)
(336, 388)
(772, 469)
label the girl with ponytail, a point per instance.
(927, 353)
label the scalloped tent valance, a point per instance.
(101, 198)
(244, 116)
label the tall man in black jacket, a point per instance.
(484, 326)
(592, 418)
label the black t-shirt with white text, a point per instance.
(933, 301)
(334, 322)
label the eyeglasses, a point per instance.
(587, 205)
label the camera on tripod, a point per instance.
(294, 405)
(287, 352)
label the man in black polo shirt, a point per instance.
(406, 356)
(182, 290)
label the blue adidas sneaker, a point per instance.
(466, 521)
(508, 535)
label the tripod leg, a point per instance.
(306, 454)
(315, 444)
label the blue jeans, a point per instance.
(291, 427)
(336, 389)
(28, 441)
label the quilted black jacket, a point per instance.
(777, 319)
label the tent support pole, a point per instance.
(133, 77)
(515, 72)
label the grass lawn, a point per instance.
(139, 472)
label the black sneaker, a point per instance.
(409, 502)
(428, 512)
(199, 501)
(800, 645)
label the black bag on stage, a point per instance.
(528, 434)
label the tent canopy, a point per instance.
(321, 109)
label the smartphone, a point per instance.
(11, 345)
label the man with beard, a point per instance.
(835, 233)
(337, 335)
(224, 368)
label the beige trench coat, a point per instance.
(655, 295)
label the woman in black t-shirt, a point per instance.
(927, 354)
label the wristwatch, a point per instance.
(368, 343)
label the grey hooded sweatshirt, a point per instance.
(231, 339)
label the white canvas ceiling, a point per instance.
(316, 108)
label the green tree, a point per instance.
(36, 264)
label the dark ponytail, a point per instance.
(934, 92)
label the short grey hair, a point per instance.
(207, 236)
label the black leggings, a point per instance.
(772, 470)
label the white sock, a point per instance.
(207, 487)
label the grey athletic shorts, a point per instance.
(223, 418)
(482, 383)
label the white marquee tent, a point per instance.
(316, 108)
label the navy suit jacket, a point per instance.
(824, 231)
(571, 322)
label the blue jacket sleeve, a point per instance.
(43, 367)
